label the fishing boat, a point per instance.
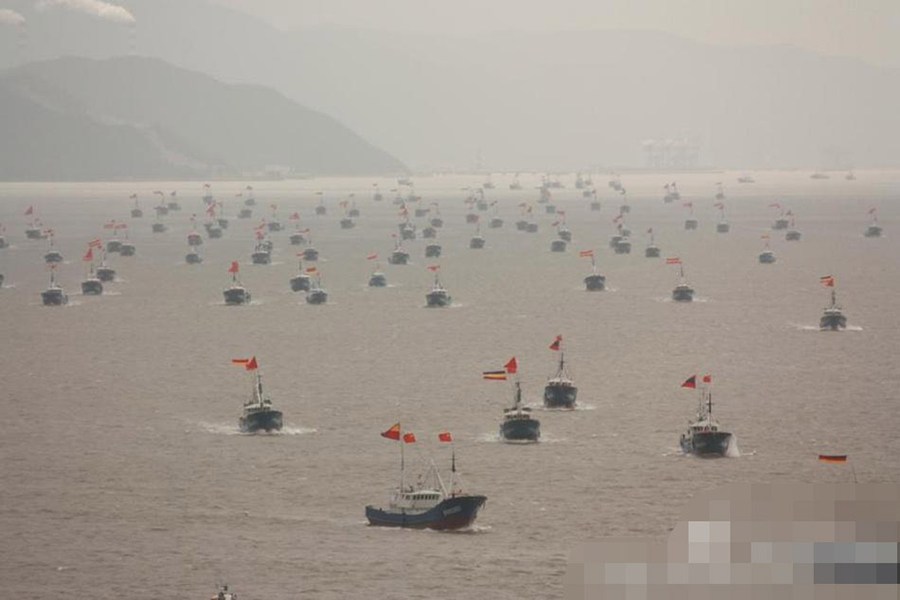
(781, 222)
(595, 204)
(682, 292)
(564, 233)
(353, 213)
(316, 294)
(766, 257)
(258, 414)
(3, 242)
(672, 193)
(91, 285)
(438, 296)
(550, 209)
(297, 238)
(301, 282)
(407, 231)
(224, 594)
(792, 235)
(310, 253)
(429, 233)
(514, 184)
(518, 423)
(427, 504)
(560, 391)
(320, 208)
(477, 241)
(704, 437)
(213, 230)
(623, 245)
(874, 229)
(54, 294)
(819, 175)
(105, 273)
(652, 250)
(158, 226)
(595, 282)
(193, 257)
(194, 239)
(236, 293)
(53, 255)
(399, 256)
(377, 279)
(114, 245)
(746, 179)
(850, 176)
(720, 192)
(245, 213)
(347, 223)
(558, 246)
(136, 212)
(436, 221)
(531, 227)
(433, 250)
(833, 318)
(722, 226)
(127, 249)
(261, 255)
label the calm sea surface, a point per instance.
(124, 475)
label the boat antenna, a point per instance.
(402, 462)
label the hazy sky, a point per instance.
(866, 29)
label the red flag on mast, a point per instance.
(445, 436)
(89, 256)
(409, 438)
(393, 433)
(512, 366)
(556, 342)
(234, 268)
(586, 253)
(690, 382)
(29, 210)
(827, 281)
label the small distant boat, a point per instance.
(722, 226)
(471, 217)
(261, 255)
(213, 230)
(32, 232)
(531, 227)
(317, 294)
(236, 294)
(564, 233)
(114, 245)
(274, 225)
(558, 246)
(301, 282)
(746, 179)
(833, 318)
(320, 208)
(874, 229)
(407, 231)
(477, 241)
(429, 233)
(347, 223)
(105, 273)
(433, 250)
(767, 257)
(522, 225)
(704, 437)
(595, 282)
(258, 414)
(615, 183)
(652, 250)
(53, 255)
(560, 391)
(310, 253)
(720, 192)
(193, 257)
(428, 504)
(515, 185)
(819, 175)
(623, 245)
(378, 279)
(224, 594)
(127, 249)
(518, 423)
(438, 296)
(297, 238)
(54, 294)
(682, 292)
(136, 212)
(159, 227)
(850, 176)
(399, 256)
(550, 209)
(92, 286)
(245, 213)
(194, 239)
(672, 193)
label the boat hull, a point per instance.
(437, 299)
(834, 322)
(527, 430)
(270, 420)
(236, 296)
(317, 297)
(683, 294)
(378, 280)
(54, 297)
(451, 513)
(300, 283)
(559, 396)
(91, 287)
(595, 283)
(711, 443)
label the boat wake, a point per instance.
(800, 327)
(231, 429)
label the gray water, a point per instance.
(124, 475)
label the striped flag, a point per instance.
(673, 261)
(690, 382)
(494, 375)
(586, 254)
(833, 458)
(372, 256)
(827, 281)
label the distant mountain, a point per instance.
(521, 100)
(77, 118)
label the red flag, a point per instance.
(240, 361)
(833, 458)
(445, 436)
(673, 261)
(234, 267)
(409, 438)
(121, 226)
(393, 433)
(556, 342)
(89, 256)
(512, 366)
(312, 270)
(372, 257)
(30, 210)
(251, 364)
(586, 253)
(707, 379)
(690, 382)
(827, 281)
(110, 225)
(95, 243)
(433, 268)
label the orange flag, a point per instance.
(393, 433)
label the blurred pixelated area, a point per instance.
(759, 541)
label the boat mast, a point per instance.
(402, 463)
